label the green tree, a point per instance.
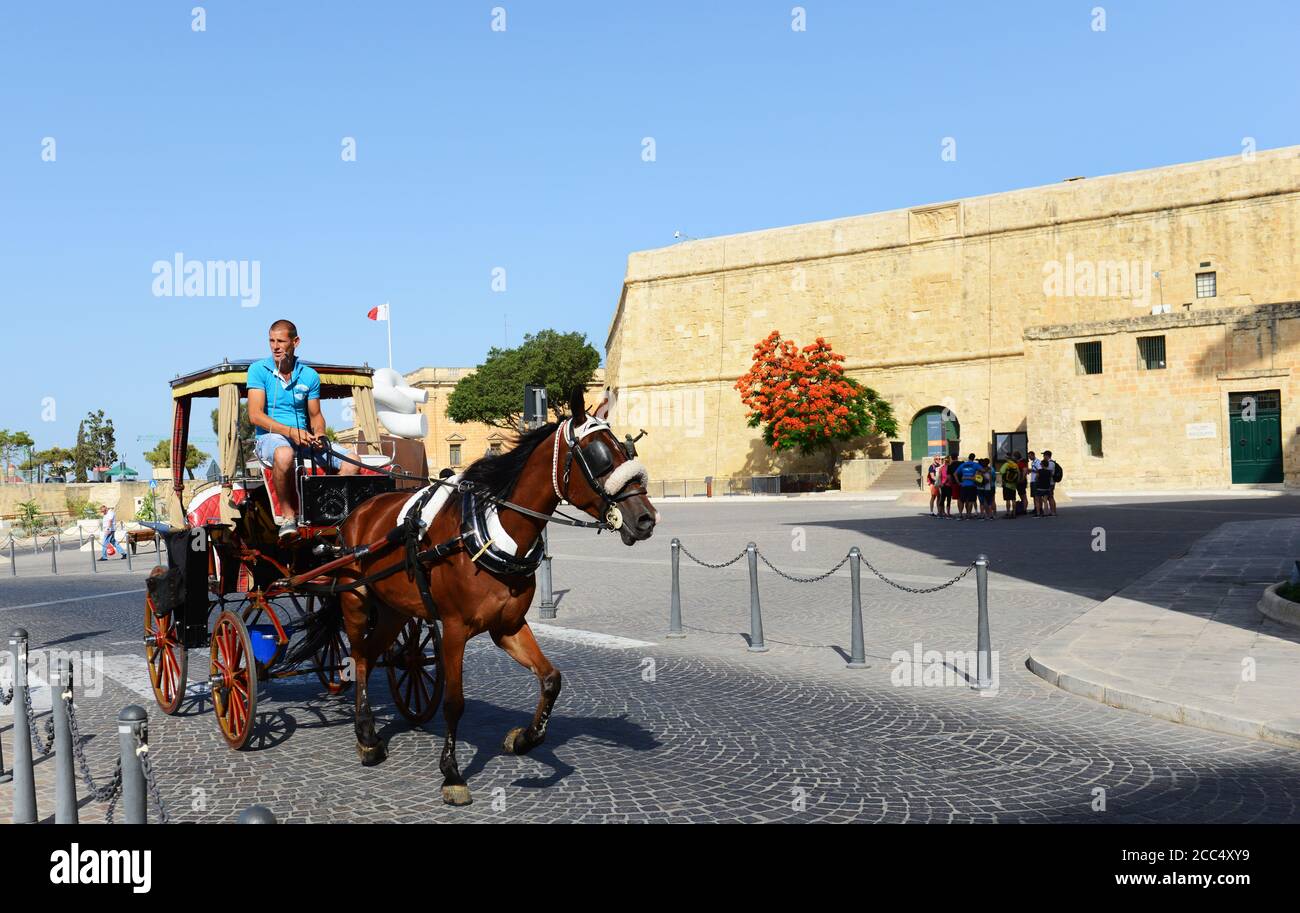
(494, 394)
(29, 517)
(57, 459)
(161, 456)
(11, 441)
(80, 455)
(96, 444)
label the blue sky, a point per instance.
(522, 149)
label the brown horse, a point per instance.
(542, 469)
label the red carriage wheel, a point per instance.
(167, 657)
(414, 669)
(233, 675)
(331, 660)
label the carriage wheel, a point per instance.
(233, 675)
(331, 659)
(415, 671)
(167, 657)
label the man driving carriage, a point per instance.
(284, 407)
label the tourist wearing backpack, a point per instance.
(1010, 478)
(1051, 474)
(988, 508)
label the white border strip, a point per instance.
(38, 605)
(589, 638)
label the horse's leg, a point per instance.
(355, 618)
(454, 790)
(522, 645)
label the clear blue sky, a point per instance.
(478, 149)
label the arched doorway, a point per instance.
(935, 432)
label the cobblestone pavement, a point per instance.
(701, 730)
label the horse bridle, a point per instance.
(595, 461)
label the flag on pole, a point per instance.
(379, 312)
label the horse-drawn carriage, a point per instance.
(373, 576)
(234, 587)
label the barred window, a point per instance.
(1088, 357)
(1206, 285)
(1151, 353)
(1092, 438)
(454, 458)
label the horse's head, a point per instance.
(603, 479)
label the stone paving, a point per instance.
(701, 730)
(1187, 642)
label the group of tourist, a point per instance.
(972, 485)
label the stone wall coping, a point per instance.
(1234, 317)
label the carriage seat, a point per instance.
(327, 503)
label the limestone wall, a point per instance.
(930, 305)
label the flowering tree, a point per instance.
(803, 401)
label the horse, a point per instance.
(470, 594)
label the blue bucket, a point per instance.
(264, 642)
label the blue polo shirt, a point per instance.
(286, 403)
(966, 473)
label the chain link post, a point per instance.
(65, 778)
(548, 595)
(756, 644)
(54, 555)
(24, 775)
(983, 652)
(257, 814)
(675, 612)
(858, 659)
(133, 730)
(13, 559)
(128, 552)
(94, 566)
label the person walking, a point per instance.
(932, 479)
(109, 522)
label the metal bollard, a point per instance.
(54, 554)
(94, 562)
(256, 814)
(858, 660)
(128, 553)
(65, 779)
(81, 537)
(675, 613)
(24, 775)
(548, 596)
(133, 722)
(983, 651)
(13, 559)
(756, 644)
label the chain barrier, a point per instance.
(797, 579)
(142, 749)
(713, 566)
(113, 789)
(31, 727)
(919, 590)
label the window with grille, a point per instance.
(1092, 438)
(1088, 357)
(1151, 352)
(1262, 400)
(494, 449)
(454, 459)
(1206, 285)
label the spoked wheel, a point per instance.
(167, 657)
(233, 675)
(414, 669)
(333, 658)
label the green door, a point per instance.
(931, 434)
(1255, 423)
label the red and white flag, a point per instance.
(380, 312)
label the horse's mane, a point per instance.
(499, 473)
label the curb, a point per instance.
(1279, 609)
(1142, 697)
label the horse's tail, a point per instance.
(318, 629)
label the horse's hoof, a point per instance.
(456, 795)
(515, 742)
(371, 754)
